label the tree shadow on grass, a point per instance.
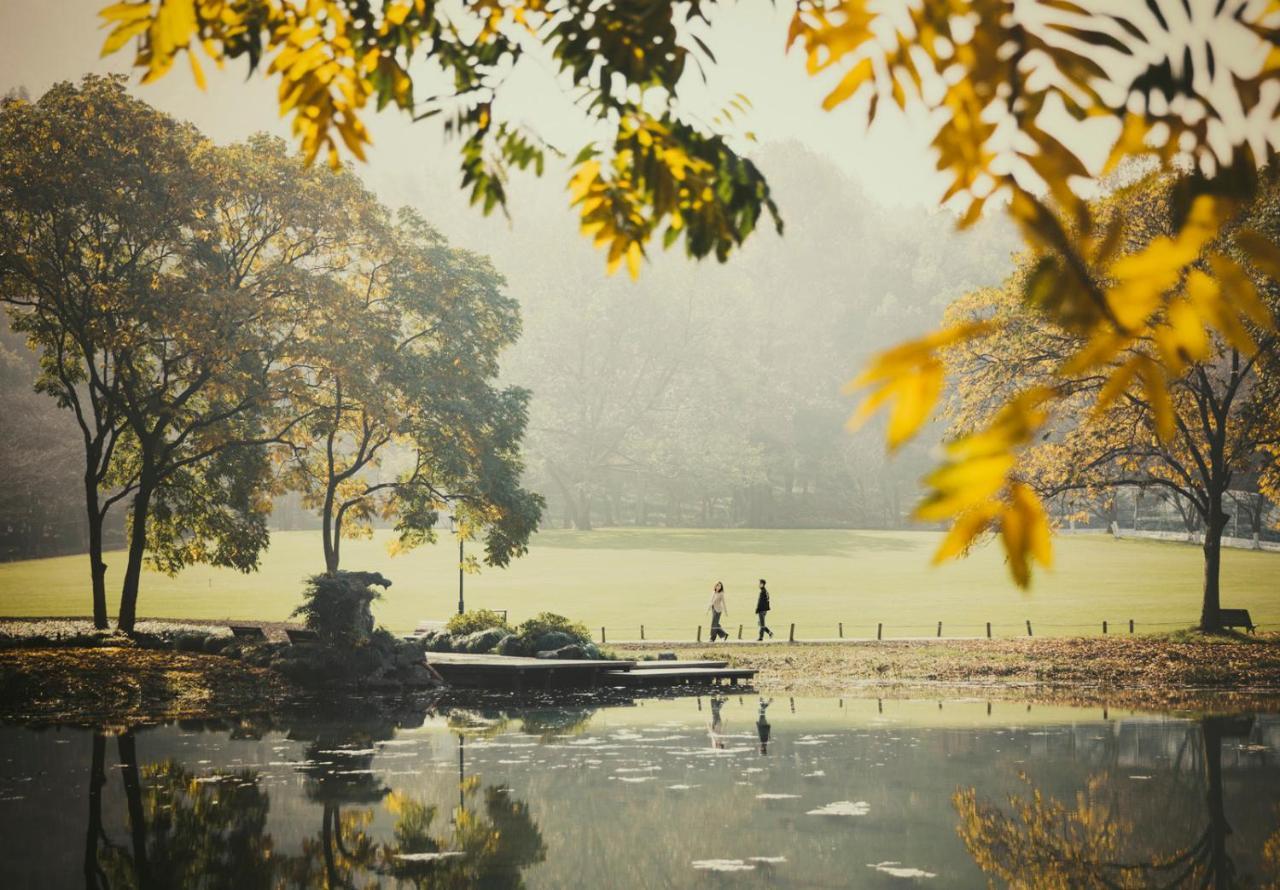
(753, 542)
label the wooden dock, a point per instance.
(512, 672)
(679, 676)
(519, 674)
(671, 665)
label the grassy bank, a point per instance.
(662, 579)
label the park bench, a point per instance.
(248, 633)
(302, 637)
(1236, 618)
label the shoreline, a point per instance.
(122, 684)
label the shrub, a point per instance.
(474, 620)
(547, 623)
(338, 606)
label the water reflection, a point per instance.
(210, 830)
(1040, 841)
(658, 793)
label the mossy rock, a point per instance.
(552, 640)
(481, 641)
(512, 645)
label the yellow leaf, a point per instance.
(849, 84)
(916, 395)
(966, 528)
(1156, 388)
(122, 35)
(959, 486)
(1261, 250)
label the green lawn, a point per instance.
(623, 578)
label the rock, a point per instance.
(572, 651)
(189, 642)
(481, 640)
(441, 642)
(552, 640)
(666, 656)
(215, 643)
(511, 645)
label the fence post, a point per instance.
(1028, 627)
(642, 631)
(840, 630)
(699, 633)
(1104, 626)
(879, 629)
(1130, 625)
(939, 628)
(988, 630)
(792, 637)
(739, 631)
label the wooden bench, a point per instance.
(248, 633)
(302, 637)
(1236, 618)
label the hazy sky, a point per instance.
(44, 41)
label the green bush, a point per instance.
(474, 620)
(549, 622)
(337, 606)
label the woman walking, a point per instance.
(717, 608)
(762, 610)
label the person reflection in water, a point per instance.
(762, 725)
(715, 729)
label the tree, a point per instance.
(211, 382)
(92, 189)
(1119, 424)
(402, 414)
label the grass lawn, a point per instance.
(663, 578)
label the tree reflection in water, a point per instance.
(209, 830)
(1040, 842)
(184, 830)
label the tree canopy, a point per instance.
(192, 304)
(1118, 424)
(1009, 88)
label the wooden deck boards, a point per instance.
(675, 676)
(505, 671)
(676, 665)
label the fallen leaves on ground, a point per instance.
(1135, 671)
(127, 684)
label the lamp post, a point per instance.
(456, 527)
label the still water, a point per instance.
(737, 791)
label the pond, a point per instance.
(730, 791)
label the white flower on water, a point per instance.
(842, 808)
(897, 870)
(722, 865)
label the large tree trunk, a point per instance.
(97, 568)
(137, 815)
(137, 547)
(1220, 870)
(94, 877)
(1215, 522)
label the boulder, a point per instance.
(511, 645)
(481, 640)
(553, 639)
(572, 652)
(441, 642)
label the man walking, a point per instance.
(762, 610)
